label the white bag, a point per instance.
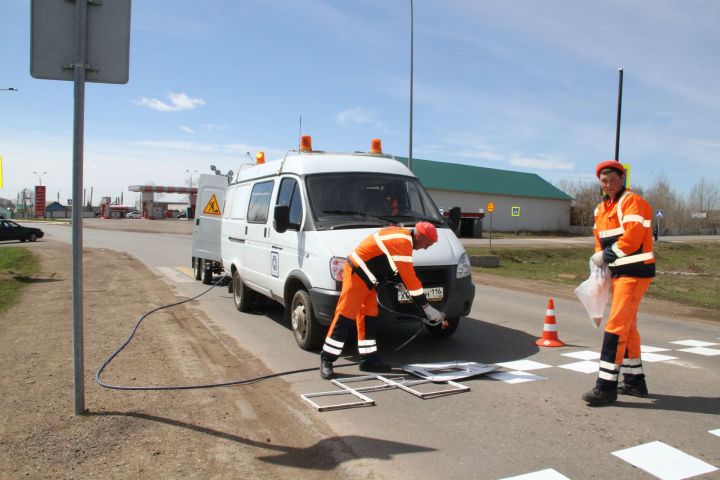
(594, 292)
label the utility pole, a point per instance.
(411, 87)
(619, 111)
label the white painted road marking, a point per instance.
(664, 462)
(174, 275)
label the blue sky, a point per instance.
(520, 85)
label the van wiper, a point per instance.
(352, 212)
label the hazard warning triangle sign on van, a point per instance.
(212, 207)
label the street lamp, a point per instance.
(191, 174)
(39, 177)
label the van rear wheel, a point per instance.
(207, 273)
(309, 334)
(438, 332)
(243, 296)
(197, 268)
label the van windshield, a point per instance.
(359, 200)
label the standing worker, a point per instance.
(623, 241)
(381, 256)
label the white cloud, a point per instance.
(357, 116)
(541, 163)
(187, 130)
(178, 102)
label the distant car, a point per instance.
(134, 214)
(182, 215)
(10, 230)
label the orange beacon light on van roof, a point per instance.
(259, 158)
(375, 145)
(306, 143)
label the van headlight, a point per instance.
(336, 268)
(463, 267)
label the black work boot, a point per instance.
(597, 397)
(638, 389)
(374, 365)
(326, 369)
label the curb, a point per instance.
(486, 261)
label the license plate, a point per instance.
(432, 294)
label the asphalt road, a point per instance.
(499, 428)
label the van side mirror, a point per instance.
(454, 218)
(281, 218)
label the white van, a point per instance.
(288, 226)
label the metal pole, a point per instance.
(490, 230)
(619, 111)
(411, 87)
(77, 237)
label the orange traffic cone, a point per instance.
(550, 336)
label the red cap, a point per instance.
(609, 164)
(427, 230)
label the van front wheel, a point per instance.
(243, 296)
(307, 330)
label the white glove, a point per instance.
(597, 259)
(433, 315)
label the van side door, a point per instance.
(287, 248)
(234, 226)
(256, 259)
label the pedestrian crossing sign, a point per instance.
(212, 207)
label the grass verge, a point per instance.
(16, 263)
(687, 273)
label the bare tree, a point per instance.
(585, 197)
(704, 203)
(662, 197)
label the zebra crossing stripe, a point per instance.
(664, 462)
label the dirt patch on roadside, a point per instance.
(259, 431)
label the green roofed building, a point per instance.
(522, 200)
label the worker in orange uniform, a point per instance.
(384, 255)
(623, 241)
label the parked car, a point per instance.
(10, 230)
(134, 214)
(182, 214)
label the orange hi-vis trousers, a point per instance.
(621, 342)
(357, 304)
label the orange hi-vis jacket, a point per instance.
(384, 255)
(623, 232)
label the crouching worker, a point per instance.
(384, 255)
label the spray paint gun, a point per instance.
(434, 317)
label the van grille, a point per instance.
(433, 277)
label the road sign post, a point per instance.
(515, 212)
(490, 207)
(659, 216)
(61, 33)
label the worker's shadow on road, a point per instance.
(326, 454)
(675, 403)
(474, 341)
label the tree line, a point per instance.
(696, 212)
